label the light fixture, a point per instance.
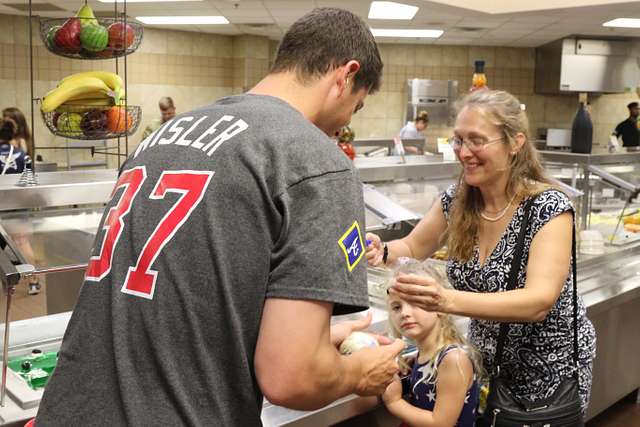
(182, 20)
(144, 1)
(422, 34)
(623, 23)
(391, 10)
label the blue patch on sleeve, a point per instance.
(352, 246)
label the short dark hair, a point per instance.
(165, 103)
(8, 129)
(325, 39)
(632, 105)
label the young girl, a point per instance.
(443, 385)
(12, 158)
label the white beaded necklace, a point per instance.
(501, 213)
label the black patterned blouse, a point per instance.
(536, 356)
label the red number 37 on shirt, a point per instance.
(141, 279)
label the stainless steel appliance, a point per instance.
(559, 138)
(433, 96)
(586, 65)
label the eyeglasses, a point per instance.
(474, 145)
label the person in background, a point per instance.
(230, 241)
(480, 218)
(443, 383)
(167, 112)
(13, 159)
(415, 130)
(628, 128)
(23, 134)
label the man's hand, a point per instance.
(378, 367)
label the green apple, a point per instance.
(70, 123)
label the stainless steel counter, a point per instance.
(608, 284)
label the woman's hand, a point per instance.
(393, 393)
(422, 291)
(374, 251)
(340, 331)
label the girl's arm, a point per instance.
(547, 269)
(455, 375)
(421, 243)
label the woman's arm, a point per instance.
(547, 269)
(455, 374)
(422, 242)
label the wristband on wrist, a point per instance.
(385, 253)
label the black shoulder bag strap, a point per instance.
(513, 280)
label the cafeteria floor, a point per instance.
(625, 413)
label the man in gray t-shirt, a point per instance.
(233, 233)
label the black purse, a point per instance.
(562, 408)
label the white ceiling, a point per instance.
(462, 26)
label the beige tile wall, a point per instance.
(506, 68)
(196, 69)
(510, 69)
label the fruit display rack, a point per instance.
(90, 38)
(86, 122)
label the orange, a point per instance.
(119, 120)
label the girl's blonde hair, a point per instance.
(449, 333)
(526, 174)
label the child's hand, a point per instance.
(422, 291)
(374, 250)
(393, 393)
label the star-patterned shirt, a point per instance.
(11, 160)
(423, 380)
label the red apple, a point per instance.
(67, 37)
(121, 36)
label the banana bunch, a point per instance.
(92, 88)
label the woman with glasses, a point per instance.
(479, 220)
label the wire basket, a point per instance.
(111, 41)
(93, 122)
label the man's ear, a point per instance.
(346, 76)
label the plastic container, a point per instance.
(479, 79)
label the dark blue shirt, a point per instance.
(424, 378)
(12, 159)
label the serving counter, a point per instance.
(397, 194)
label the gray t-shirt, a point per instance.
(218, 210)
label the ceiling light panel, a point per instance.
(146, 1)
(182, 20)
(391, 10)
(423, 34)
(623, 23)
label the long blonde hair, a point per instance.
(526, 174)
(449, 332)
